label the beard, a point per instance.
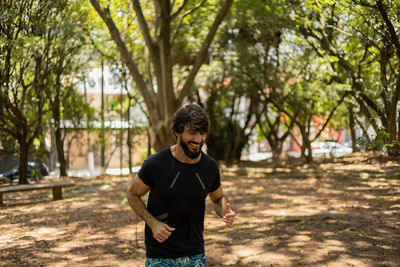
(188, 152)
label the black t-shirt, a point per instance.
(177, 197)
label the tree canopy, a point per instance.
(276, 69)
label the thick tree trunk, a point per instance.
(306, 146)
(161, 136)
(309, 156)
(163, 103)
(276, 148)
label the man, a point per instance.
(179, 179)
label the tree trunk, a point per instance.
(102, 131)
(129, 144)
(306, 146)
(57, 132)
(148, 142)
(160, 136)
(121, 134)
(163, 103)
(394, 150)
(394, 147)
(69, 144)
(309, 157)
(129, 135)
(398, 127)
(352, 127)
(60, 151)
(237, 147)
(41, 156)
(23, 161)
(276, 148)
(121, 155)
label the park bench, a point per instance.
(56, 186)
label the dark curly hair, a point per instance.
(191, 115)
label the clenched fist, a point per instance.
(161, 231)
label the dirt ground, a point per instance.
(335, 212)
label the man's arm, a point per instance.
(222, 206)
(137, 188)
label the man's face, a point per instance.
(191, 141)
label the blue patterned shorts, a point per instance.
(198, 260)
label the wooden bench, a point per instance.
(56, 186)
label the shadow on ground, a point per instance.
(342, 212)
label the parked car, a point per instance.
(331, 149)
(32, 167)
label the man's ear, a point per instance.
(175, 135)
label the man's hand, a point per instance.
(228, 215)
(161, 231)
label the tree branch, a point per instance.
(144, 28)
(176, 13)
(389, 25)
(182, 17)
(203, 50)
(330, 115)
(126, 56)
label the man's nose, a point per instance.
(197, 138)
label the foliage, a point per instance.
(360, 41)
(230, 112)
(38, 42)
(242, 61)
(153, 55)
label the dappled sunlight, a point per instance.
(86, 228)
(285, 217)
(331, 204)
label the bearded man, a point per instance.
(179, 179)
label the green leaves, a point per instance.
(124, 201)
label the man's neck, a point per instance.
(179, 154)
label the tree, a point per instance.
(23, 72)
(360, 40)
(69, 36)
(305, 105)
(39, 44)
(253, 36)
(231, 111)
(164, 97)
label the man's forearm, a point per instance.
(139, 208)
(220, 204)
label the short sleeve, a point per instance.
(216, 183)
(145, 173)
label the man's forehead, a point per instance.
(190, 128)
